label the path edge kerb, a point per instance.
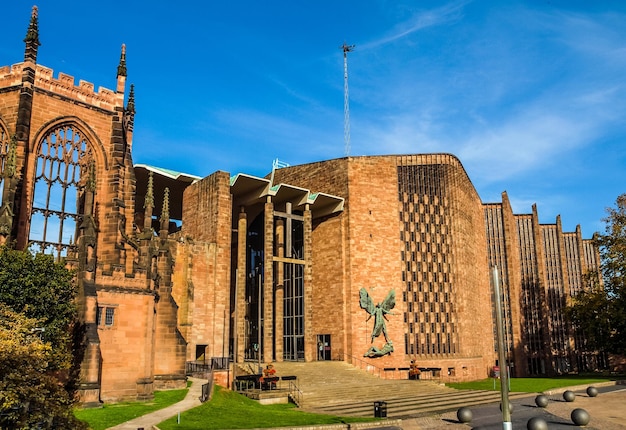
(352, 426)
(584, 387)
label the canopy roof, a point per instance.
(247, 190)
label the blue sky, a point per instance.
(531, 96)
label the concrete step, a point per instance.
(344, 394)
(413, 406)
(338, 388)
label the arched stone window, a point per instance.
(60, 176)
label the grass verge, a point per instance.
(529, 385)
(110, 415)
(230, 410)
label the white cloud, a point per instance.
(419, 21)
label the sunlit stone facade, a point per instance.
(541, 268)
(175, 269)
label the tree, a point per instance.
(40, 288)
(39, 347)
(32, 396)
(599, 313)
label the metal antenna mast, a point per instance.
(346, 99)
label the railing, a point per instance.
(207, 389)
(430, 372)
(192, 367)
(255, 382)
(204, 366)
(219, 363)
(362, 364)
(295, 394)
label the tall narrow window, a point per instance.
(293, 300)
(60, 177)
(108, 318)
(4, 151)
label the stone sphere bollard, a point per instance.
(541, 400)
(537, 423)
(569, 396)
(580, 417)
(464, 415)
(592, 391)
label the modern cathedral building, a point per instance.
(377, 259)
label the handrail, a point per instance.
(207, 389)
(220, 363)
(295, 393)
(192, 367)
(205, 366)
(362, 364)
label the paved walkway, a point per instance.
(148, 421)
(607, 412)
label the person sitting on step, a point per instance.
(269, 380)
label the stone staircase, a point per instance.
(338, 388)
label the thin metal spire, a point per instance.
(346, 99)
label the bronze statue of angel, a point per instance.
(378, 311)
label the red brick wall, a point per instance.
(126, 347)
(201, 281)
(329, 257)
(360, 248)
(374, 244)
(8, 109)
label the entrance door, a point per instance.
(323, 347)
(200, 352)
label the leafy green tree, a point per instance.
(43, 289)
(40, 342)
(31, 395)
(599, 313)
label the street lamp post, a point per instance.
(504, 374)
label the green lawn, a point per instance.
(110, 415)
(230, 410)
(529, 385)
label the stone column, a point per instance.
(268, 282)
(540, 253)
(514, 280)
(240, 299)
(310, 344)
(280, 288)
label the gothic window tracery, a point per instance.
(61, 174)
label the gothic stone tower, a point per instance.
(68, 189)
